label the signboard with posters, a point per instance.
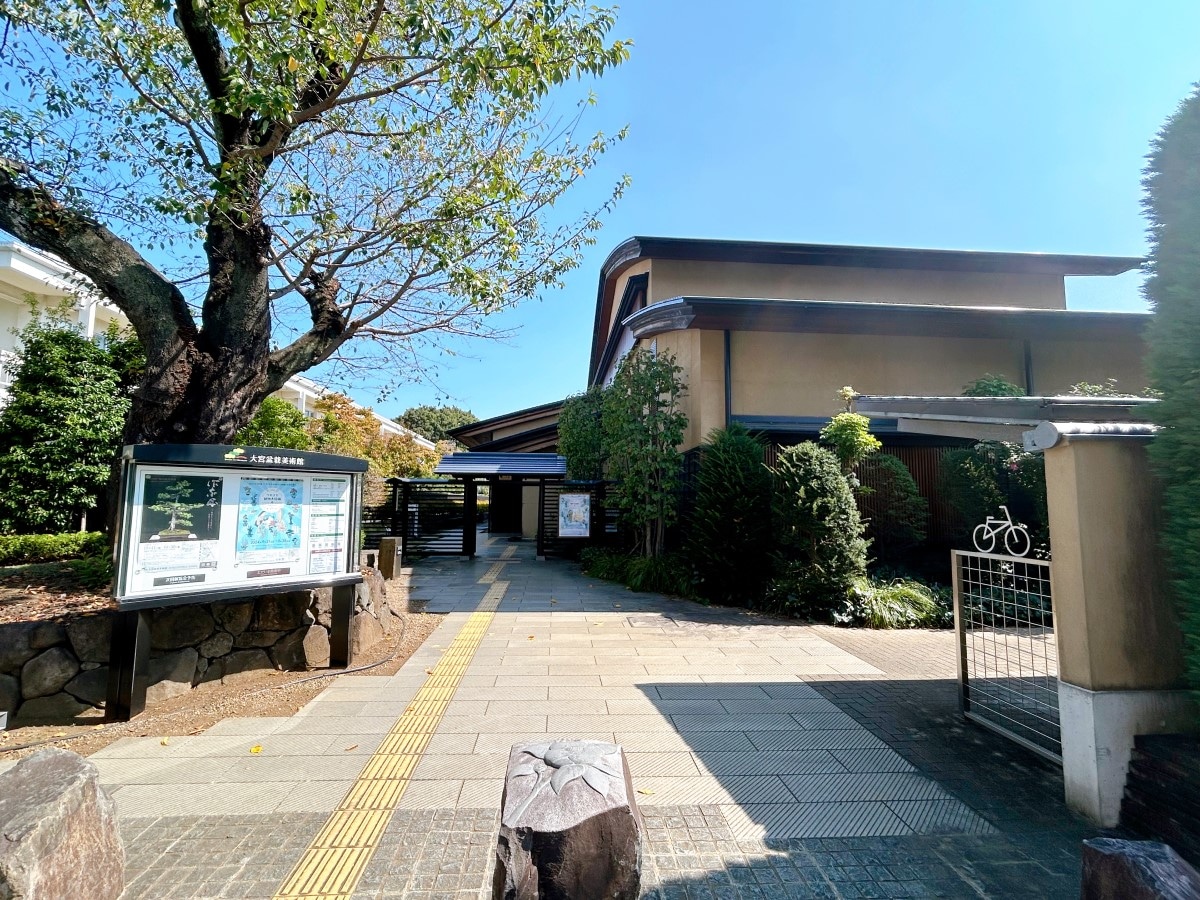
(206, 522)
(574, 515)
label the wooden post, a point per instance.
(128, 666)
(541, 529)
(339, 631)
(470, 504)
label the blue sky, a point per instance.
(1017, 126)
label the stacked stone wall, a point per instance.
(53, 671)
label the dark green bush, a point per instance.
(990, 385)
(730, 532)
(18, 549)
(898, 603)
(978, 480)
(820, 545)
(666, 574)
(896, 514)
(600, 562)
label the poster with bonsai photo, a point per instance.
(181, 522)
(270, 516)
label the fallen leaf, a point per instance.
(97, 727)
(616, 606)
(644, 791)
(164, 741)
(429, 671)
(351, 747)
(552, 600)
(257, 748)
(530, 638)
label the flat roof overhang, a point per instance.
(634, 249)
(550, 466)
(913, 319)
(1037, 423)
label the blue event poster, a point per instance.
(270, 516)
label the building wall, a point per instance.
(788, 374)
(681, 278)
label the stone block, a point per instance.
(60, 830)
(242, 665)
(365, 633)
(233, 617)
(91, 638)
(180, 626)
(322, 606)
(48, 672)
(47, 634)
(10, 693)
(280, 612)
(57, 709)
(217, 645)
(15, 650)
(290, 652)
(171, 675)
(570, 827)
(1136, 870)
(256, 639)
(90, 686)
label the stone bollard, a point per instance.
(1136, 870)
(60, 831)
(569, 825)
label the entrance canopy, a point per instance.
(1035, 421)
(549, 466)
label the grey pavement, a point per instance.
(770, 759)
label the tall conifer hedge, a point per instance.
(1172, 202)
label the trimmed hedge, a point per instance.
(18, 549)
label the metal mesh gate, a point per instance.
(1008, 660)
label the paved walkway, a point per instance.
(770, 759)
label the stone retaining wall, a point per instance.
(53, 671)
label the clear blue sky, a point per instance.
(1020, 125)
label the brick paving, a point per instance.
(771, 759)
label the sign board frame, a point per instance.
(240, 522)
(574, 515)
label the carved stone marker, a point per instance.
(569, 825)
(1136, 870)
(59, 830)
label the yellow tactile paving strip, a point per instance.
(332, 865)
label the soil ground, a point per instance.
(49, 592)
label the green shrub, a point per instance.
(600, 562)
(992, 386)
(580, 435)
(730, 532)
(850, 439)
(1172, 203)
(899, 603)
(18, 549)
(94, 572)
(976, 481)
(666, 574)
(896, 514)
(820, 545)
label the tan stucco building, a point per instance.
(768, 333)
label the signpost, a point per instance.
(204, 523)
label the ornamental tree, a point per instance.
(329, 179)
(435, 422)
(643, 427)
(1172, 202)
(60, 430)
(581, 435)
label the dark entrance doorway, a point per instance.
(504, 513)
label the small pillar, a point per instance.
(389, 557)
(1120, 648)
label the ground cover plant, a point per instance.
(895, 603)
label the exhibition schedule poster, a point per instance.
(191, 529)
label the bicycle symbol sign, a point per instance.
(1016, 537)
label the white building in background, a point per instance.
(27, 274)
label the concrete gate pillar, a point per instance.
(1120, 649)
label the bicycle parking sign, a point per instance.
(1015, 537)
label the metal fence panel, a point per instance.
(1008, 659)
